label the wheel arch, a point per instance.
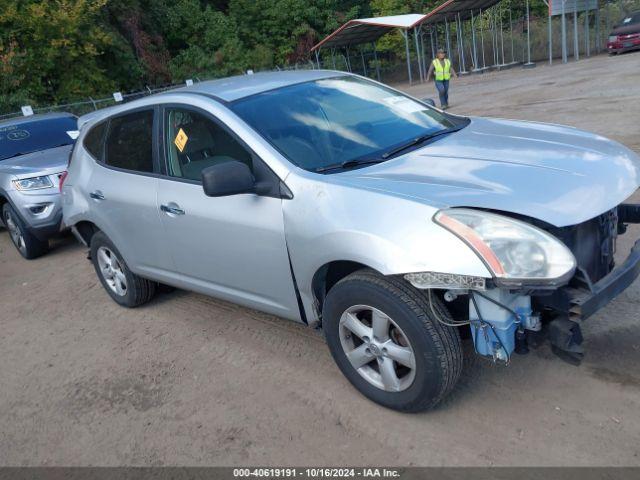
(328, 275)
(85, 230)
(3, 200)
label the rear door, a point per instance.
(123, 190)
(230, 247)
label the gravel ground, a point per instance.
(189, 380)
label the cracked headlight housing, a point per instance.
(515, 252)
(33, 183)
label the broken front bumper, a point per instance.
(585, 302)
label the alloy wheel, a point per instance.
(377, 348)
(111, 270)
(15, 232)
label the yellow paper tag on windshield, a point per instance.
(181, 140)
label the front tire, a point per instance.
(25, 242)
(384, 337)
(123, 286)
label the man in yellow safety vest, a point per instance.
(442, 70)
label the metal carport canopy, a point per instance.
(451, 8)
(365, 30)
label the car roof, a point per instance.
(35, 118)
(234, 88)
(101, 113)
(225, 89)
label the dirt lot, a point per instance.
(188, 380)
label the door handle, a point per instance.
(97, 195)
(168, 209)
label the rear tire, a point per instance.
(399, 322)
(123, 286)
(25, 242)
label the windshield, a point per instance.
(27, 137)
(630, 19)
(337, 120)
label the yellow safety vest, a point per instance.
(442, 73)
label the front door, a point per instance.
(229, 247)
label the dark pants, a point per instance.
(443, 91)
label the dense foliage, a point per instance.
(62, 50)
(56, 51)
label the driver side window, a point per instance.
(195, 142)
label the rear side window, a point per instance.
(129, 142)
(94, 141)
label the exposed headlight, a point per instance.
(33, 183)
(613, 38)
(515, 252)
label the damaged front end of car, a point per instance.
(546, 279)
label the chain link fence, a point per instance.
(90, 104)
(498, 40)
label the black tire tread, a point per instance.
(448, 338)
(142, 289)
(34, 247)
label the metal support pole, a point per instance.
(550, 33)
(415, 37)
(528, 64)
(494, 38)
(513, 60)
(587, 39)
(598, 39)
(446, 31)
(405, 34)
(333, 58)
(318, 58)
(576, 47)
(458, 44)
(364, 64)
(484, 65)
(348, 60)
(502, 37)
(375, 58)
(464, 67)
(433, 49)
(422, 54)
(564, 34)
(473, 38)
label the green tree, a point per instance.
(288, 28)
(54, 49)
(202, 41)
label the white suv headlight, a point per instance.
(33, 183)
(516, 253)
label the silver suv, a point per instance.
(34, 152)
(335, 201)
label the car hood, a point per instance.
(44, 162)
(560, 175)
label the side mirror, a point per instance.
(227, 178)
(429, 101)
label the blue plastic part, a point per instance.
(486, 341)
(496, 337)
